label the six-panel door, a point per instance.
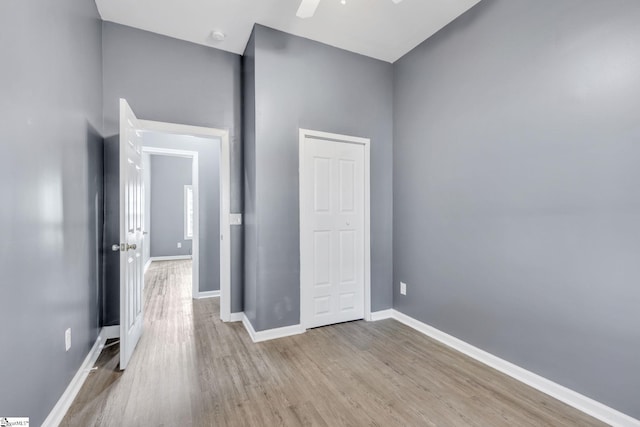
(131, 233)
(333, 234)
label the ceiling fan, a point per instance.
(308, 7)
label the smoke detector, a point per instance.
(217, 35)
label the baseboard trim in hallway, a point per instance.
(570, 397)
(62, 406)
(208, 294)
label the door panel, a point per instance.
(131, 238)
(322, 257)
(347, 183)
(322, 180)
(332, 242)
(347, 257)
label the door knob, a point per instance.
(115, 248)
(131, 247)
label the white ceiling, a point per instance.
(376, 28)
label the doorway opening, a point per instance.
(203, 204)
(171, 206)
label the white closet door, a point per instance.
(333, 244)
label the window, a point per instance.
(188, 212)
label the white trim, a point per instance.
(168, 152)
(381, 315)
(236, 317)
(225, 227)
(187, 189)
(225, 201)
(110, 332)
(147, 264)
(366, 142)
(169, 258)
(334, 136)
(207, 294)
(557, 391)
(178, 129)
(270, 334)
(64, 403)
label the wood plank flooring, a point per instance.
(191, 369)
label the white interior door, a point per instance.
(131, 237)
(332, 232)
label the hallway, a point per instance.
(190, 369)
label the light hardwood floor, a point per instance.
(190, 369)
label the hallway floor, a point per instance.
(191, 369)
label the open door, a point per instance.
(131, 229)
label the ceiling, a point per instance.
(376, 28)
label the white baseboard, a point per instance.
(572, 398)
(382, 314)
(169, 258)
(236, 317)
(110, 332)
(62, 406)
(147, 264)
(207, 294)
(270, 334)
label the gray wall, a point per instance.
(169, 80)
(51, 186)
(169, 175)
(146, 182)
(516, 202)
(110, 295)
(304, 84)
(209, 187)
(250, 252)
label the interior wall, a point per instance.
(516, 204)
(169, 175)
(300, 83)
(250, 251)
(51, 186)
(146, 182)
(174, 81)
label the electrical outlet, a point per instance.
(179, 245)
(403, 288)
(67, 339)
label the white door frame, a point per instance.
(195, 240)
(225, 203)
(304, 264)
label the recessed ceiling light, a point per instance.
(217, 35)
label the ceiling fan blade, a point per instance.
(307, 8)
